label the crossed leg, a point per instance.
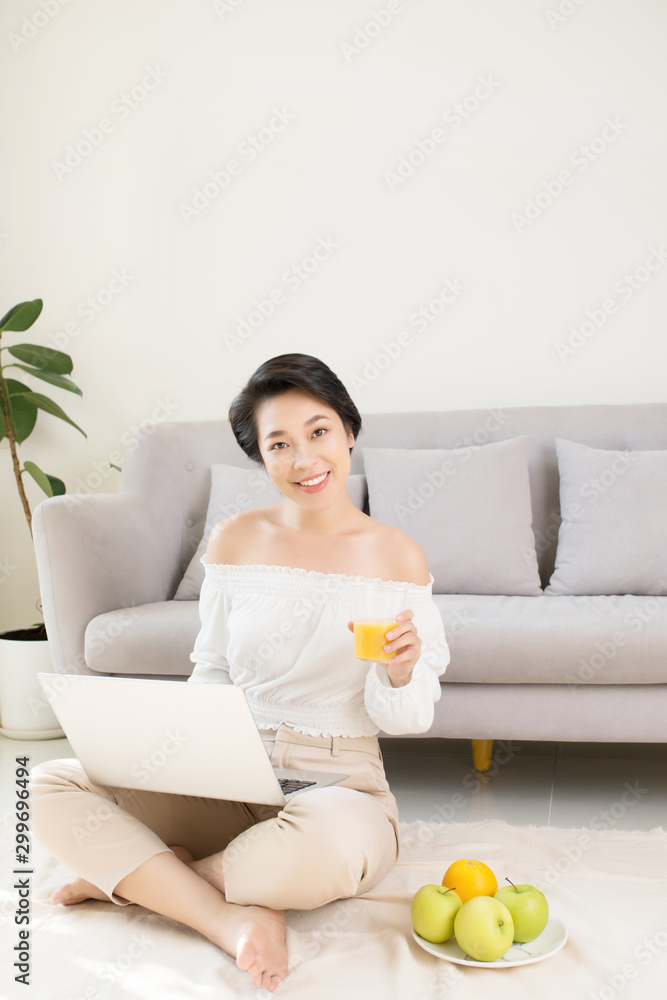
(70, 813)
(236, 897)
(166, 884)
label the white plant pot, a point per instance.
(25, 712)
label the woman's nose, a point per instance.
(303, 456)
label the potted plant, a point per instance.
(24, 711)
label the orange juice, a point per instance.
(369, 638)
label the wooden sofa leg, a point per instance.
(481, 754)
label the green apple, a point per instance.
(484, 928)
(433, 910)
(529, 909)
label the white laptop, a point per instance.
(172, 736)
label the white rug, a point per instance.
(608, 887)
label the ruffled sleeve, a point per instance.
(209, 653)
(410, 709)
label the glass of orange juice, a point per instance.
(375, 606)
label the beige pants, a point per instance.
(324, 844)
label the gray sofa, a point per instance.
(523, 666)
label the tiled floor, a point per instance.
(598, 786)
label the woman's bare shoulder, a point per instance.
(405, 557)
(229, 536)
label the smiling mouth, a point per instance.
(313, 482)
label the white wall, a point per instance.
(351, 105)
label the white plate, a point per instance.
(551, 940)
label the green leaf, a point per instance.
(23, 413)
(46, 358)
(21, 316)
(14, 386)
(51, 485)
(40, 478)
(57, 485)
(46, 404)
(58, 380)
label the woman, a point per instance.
(287, 569)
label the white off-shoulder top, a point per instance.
(281, 634)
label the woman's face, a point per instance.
(303, 439)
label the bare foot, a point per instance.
(256, 935)
(77, 891)
(81, 889)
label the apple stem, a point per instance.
(453, 889)
(511, 883)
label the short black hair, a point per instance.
(278, 375)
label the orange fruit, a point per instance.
(470, 878)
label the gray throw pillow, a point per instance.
(234, 489)
(613, 534)
(469, 509)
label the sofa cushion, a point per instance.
(234, 489)
(613, 535)
(469, 509)
(619, 639)
(492, 639)
(152, 639)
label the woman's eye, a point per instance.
(277, 443)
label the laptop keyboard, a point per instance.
(291, 784)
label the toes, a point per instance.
(244, 958)
(265, 981)
(66, 901)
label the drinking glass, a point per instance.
(374, 610)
